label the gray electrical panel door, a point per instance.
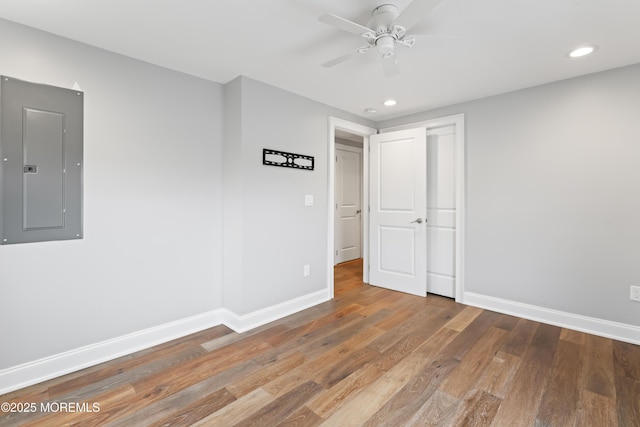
(41, 162)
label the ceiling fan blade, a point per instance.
(415, 12)
(390, 65)
(347, 56)
(418, 37)
(421, 40)
(345, 24)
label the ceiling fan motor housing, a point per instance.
(382, 18)
(386, 34)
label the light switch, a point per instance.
(308, 200)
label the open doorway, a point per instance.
(348, 226)
(350, 136)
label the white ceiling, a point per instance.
(502, 45)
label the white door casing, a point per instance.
(398, 209)
(348, 196)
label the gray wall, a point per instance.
(553, 178)
(277, 235)
(181, 217)
(152, 251)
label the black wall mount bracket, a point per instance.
(287, 160)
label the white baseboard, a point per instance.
(60, 364)
(591, 325)
(245, 322)
(30, 373)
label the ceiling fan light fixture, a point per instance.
(385, 45)
(581, 51)
(390, 102)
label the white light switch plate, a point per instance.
(308, 200)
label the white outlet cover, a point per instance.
(307, 270)
(308, 200)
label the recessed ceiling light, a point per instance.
(581, 51)
(390, 102)
(370, 110)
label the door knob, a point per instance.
(419, 221)
(358, 211)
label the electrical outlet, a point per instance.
(635, 293)
(307, 270)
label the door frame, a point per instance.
(336, 123)
(458, 121)
(364, 131)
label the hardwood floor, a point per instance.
(369, 357)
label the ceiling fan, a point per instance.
(385, 30)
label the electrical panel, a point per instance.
(41, 144)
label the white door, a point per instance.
(398, 200)
(348, 194)
(441, 211)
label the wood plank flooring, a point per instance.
(370, 357)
